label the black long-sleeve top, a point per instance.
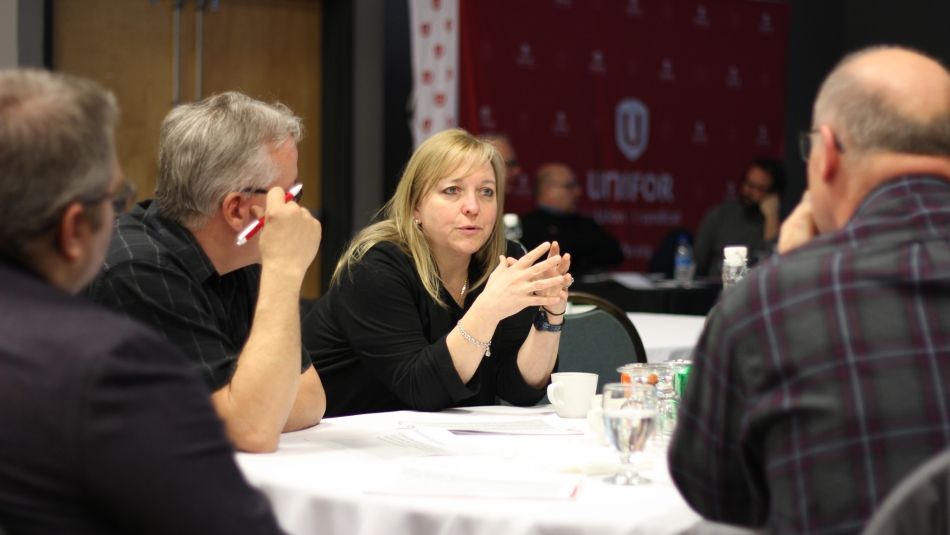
(377, 340)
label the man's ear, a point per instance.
(76, 231)
(236, 212)
(831, 159)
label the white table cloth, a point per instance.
(328, 480)
(667, 336)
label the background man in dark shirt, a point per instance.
(751, 220)
(174, 263)
(821, 379)
(106, 429)
(556, 219)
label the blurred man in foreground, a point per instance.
(233, 309)
(106, 429)
(556, 219)
(821, 379)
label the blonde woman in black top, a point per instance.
(431, 307)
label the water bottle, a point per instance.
(512, 224)
(733, 265)
(683, 266)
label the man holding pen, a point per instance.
(175, 263)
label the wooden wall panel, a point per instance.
(269, 49)
(125, 46)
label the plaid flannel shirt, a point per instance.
(822, 379)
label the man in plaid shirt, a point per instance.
(821, 380)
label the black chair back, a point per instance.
(598, 340)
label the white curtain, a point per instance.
(435, 41)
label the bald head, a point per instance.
(888, 99)
(883, 112)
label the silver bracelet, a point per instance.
(472, 340)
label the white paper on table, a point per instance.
(474, 477)
(502, 410)
(546, 425)
(427, 440)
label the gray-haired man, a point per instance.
(175, 264)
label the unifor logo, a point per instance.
(632, 127)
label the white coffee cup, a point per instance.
(570, 393)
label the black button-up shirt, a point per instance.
(156, 272)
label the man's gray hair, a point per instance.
(869, 120)
(221, 144)
(56, 147)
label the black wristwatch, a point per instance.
(541, 322)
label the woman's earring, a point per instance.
(417, 222)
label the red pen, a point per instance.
(255, 227)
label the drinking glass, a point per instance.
(660, 377)
(630, 415)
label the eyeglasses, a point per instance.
(262, 191)
(756, 187)
(120, 199)
(804, 142)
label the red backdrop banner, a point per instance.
(657, 105)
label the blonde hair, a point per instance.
(435, 159)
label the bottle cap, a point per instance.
(512, 226)
(735, 255)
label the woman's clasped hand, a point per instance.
(519, 283)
